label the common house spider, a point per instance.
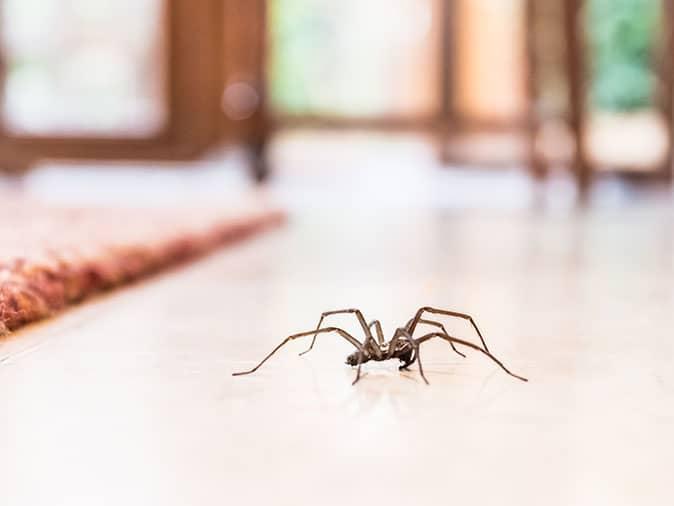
(402, 345)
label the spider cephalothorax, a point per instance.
(402, 345)
(355, 358)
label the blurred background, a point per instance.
(581, 88)
(511, 159)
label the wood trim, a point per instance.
(340, 122)
(459, 123)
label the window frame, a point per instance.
(193, 77)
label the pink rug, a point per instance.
(51, 257)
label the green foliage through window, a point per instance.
(622, 39)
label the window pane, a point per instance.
(361, 58)
(83, 67)
(621, 38)
(625, 128)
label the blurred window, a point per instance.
(622, 37)
(355, 58)
(626, 129)
(84, 67)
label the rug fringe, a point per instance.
(32, 291)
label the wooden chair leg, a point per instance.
(259, 163)
(576, 82)
(536, 164)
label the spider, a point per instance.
(401, 346)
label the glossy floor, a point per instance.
(130, 399)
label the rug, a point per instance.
(52, 256)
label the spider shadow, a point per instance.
(381, 387)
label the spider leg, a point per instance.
(401, 333)
(417, 356)
(377, 328)
(360, 363)
(359, 317)
(341, 332)
(393, 342)
(470, 345)
(411, 326)
(442, 327)
(406, 365)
